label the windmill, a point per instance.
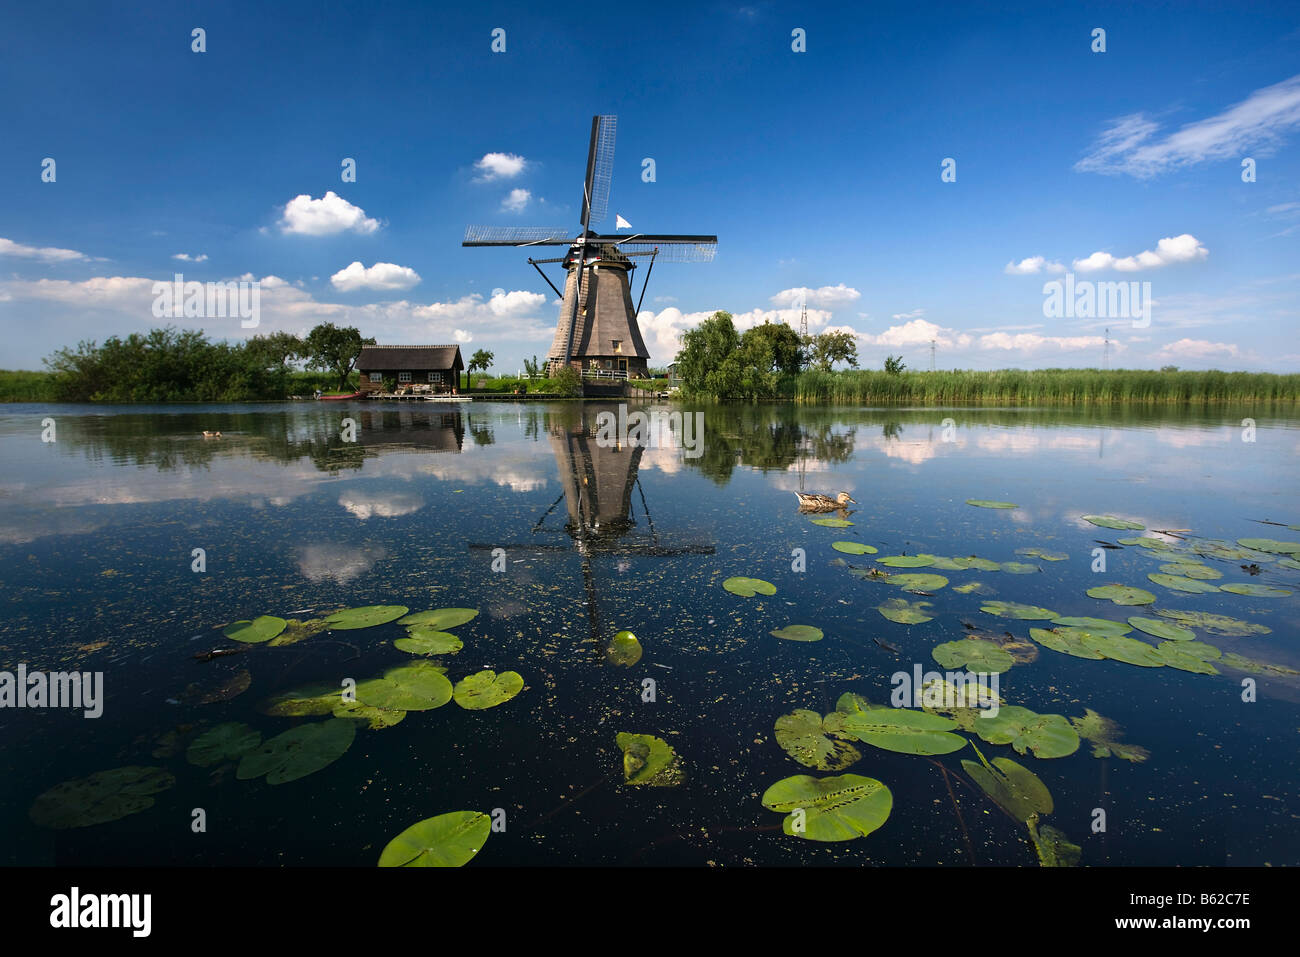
(597, 332)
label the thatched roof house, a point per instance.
(436, 368)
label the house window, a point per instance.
(403, 377)
(618, 345)
(609, 364)
(376, 377)
(435, 376)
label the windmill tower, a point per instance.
(597, 332)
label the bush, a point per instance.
(566, 381)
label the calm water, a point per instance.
(97, 530)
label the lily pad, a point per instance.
(1128, 650)
(1047, 735)
(374, 718)
(296, 631)
(1011, 786)
(974, 655)
(1214, 624)
(1103, 732)
(978, 588)
(446, 840)
(298, 752)
(1068, 641)
(366, 616)
(985, 503)
(1122, 594)
(1100, 626)
(1192, 570)
(838, 808)
(749, 587)
(798, 633)
(804, 737)
(226, 742)
(1241, 663)
(426, 641)
(854, 548)
(1173, 656)
(1019, 568)
(1011, 609)
(1053, 847)
(439, 619)
(1110, 521)
(917, 582)
(624, 649)
(1228, 552)
(1147, 541)
(906, 561)
(307, 701)
(1179, 583)
(262, 628)
(904, 731)
(832, 522)
(1270, 545)
(1288, 563)
(649, 761)
(1200, 649)
(1046, 555)
(102, 797)
(980, 564)
(1256, 590)
(487, 689)
(416, 687)
(1162, 629)
(905, 612)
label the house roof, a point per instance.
(415, 358)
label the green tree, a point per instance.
(335, 349)
(532, 367)
(482, 359)
(566, 381)
(832, 347)
(773, 347)
(894, 365)
(277, 349)
(707, 362)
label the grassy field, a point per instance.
(1045, 386)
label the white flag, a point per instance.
(621, 223)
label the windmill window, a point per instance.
(618, 345)
(403, 377)
(609, 364)
(376, 377)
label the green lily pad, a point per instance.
(1099, 626)
(420, 686)
(1110, 521)
(446, 840)
(624, 649)
(1103, 732)
(905, 612)
(649, 761)
(917, 582)
(1173, 656)
(298, 752)
(1011, 786)
(307, 701)
(1214, 624)
(906, 561)
(1201, 650)
(1047, 735)
(1179, 583)
(366, 616)
(296, 631)
(1250, 665)
(904, 731)
(439, 619)
(798, 633)
(1270, 545)
(1128, 650)
(985, 503)
(979, 564)
(974, 654)
(1122, 594)
(1255, 590)
(1192, 570)
(832, 522)
(262, 628)
(1068, 641)
(837, 808)
(1162, 629)
(225, 742)
(1019, 568)
(804, 737)
(422, 640)
(1231, 553)
(487, 689)
(1054, 849)
(1011, 609)
(749, 587)
(854, 548)
(102, 797)
(374, 718)
(1146, 541)
(1044, 554)
(978, 588)
(1288, 563)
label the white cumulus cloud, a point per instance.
(1171, 249)
(499, 166)
(380, 276)
(516, 200)
(1031, 266)
(45, 254)
(827, 297)
(326, 216)
(187, 258)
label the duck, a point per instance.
(816, 502)
(211, 435)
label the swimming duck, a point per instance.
(816, 502)
(211, 435)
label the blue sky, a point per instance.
(818, 170)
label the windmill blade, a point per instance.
(672, 252)
(600, 170)
(516, 236)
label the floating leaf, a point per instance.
(374, 718)
(854, 548)
(1192, 570)
(366, 616)
(1179, 583)
(1288, 563)
(102, 797)
(838, 808)
(1162, 629)
(984, 503)
(1255, 590)
(1011, 609)
(917, 582)
(649, 761)
(1019, 568)
(1122, 594)
(1068, 641)
(1012, 787)
(1200, 649)
(416, 687)
(296, 631)
(298, 752)
(1053, 847)
(974, 655)
(904, 731)
(307, 701)
(1128, 650)
(1242, 663)
(1110, 521)
(1270, 545)
(805, 738)
(1146, 541)
(749, 587)
(1232, 553)
(1100, 626)
(232, 687)
(226, 742)
(440, 619)
(624, 649)
(487, 689)
(1047, 735)
(980, 564)
(798, 633)
(1102, 732)
(832, 522)
(1173, 656)
(905, 612)
(446, 840)
(1044, 554)
(262, 628)
(978, 588)
(906, 561)
(421, 640)
(1214, 624)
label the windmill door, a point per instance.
(622, 366)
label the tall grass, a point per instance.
(18, 385)
(1047, 386)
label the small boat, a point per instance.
(340, 398)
